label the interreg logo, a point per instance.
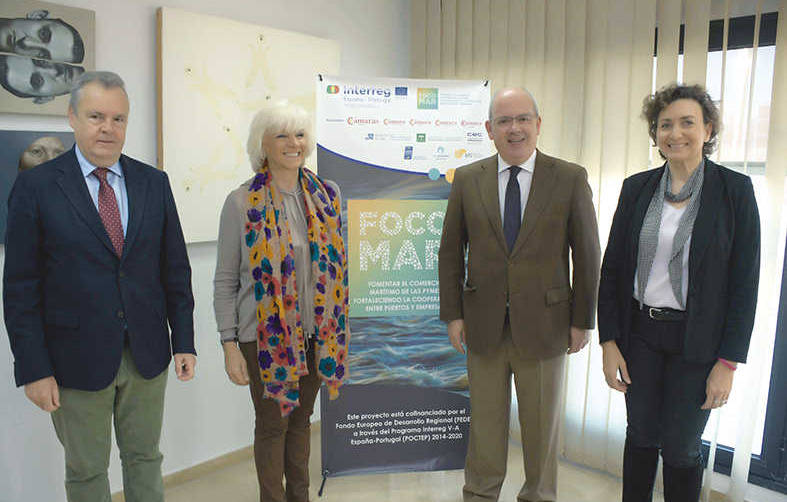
(420, 137)
(408, 153)
(371, 92)
(332, 89)
(400, 91)
(427, 98)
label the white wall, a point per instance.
(207, 417)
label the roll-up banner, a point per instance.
(393, 145)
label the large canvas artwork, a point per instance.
(23, 150)
(43, 48)
(214, 75)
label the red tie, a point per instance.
(108, 210)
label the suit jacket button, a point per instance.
(121, 314)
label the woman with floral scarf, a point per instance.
(280, 295)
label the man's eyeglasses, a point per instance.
(521, 120)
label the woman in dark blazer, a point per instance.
(677, 294)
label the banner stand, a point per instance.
(392, 146)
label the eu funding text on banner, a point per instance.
(396, 428)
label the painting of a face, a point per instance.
(23, 150)
(51, 39)
(44, 48)
(28, 77)
(42, 149)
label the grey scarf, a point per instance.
(649, 235)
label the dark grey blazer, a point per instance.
(724, 265)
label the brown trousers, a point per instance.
(281, 445)
(539, 384)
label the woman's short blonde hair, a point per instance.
(281, 116)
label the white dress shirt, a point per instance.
(525, 178)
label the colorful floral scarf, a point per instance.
(280, 336)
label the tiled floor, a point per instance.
(238, 483)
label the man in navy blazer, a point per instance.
(97, 296)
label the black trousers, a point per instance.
(663, 407)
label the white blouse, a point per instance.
(658, 292)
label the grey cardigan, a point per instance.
(233, 299)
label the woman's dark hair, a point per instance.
(653, 104)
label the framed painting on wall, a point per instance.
(24, 150)
(215, 74)
(44, 47)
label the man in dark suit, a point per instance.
(515, 217)
(95, 269)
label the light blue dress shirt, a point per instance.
(115, 179)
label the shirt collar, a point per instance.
(529, 165)
(88, 168)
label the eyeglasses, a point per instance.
(521, 120)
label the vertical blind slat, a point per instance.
(535, 46)
(481, 38)
(668, 39)
(695, 42)
(516, 43)
(418, 38)
(464, 39)
(752, 78)
(641, 84)
(594, 89)
(615, 113)
(448, 39)
(552, 93)
(433, 36)
(498, 43)
(577, 390)
(574, 80)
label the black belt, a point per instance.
(660, 313)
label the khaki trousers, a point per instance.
(539, 384)
(281, 445)
(83, 424)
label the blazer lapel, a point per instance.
(136, 190)
(704, 225)
(490, 198)
(541, 188)
(72, 182)
(640, 208)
